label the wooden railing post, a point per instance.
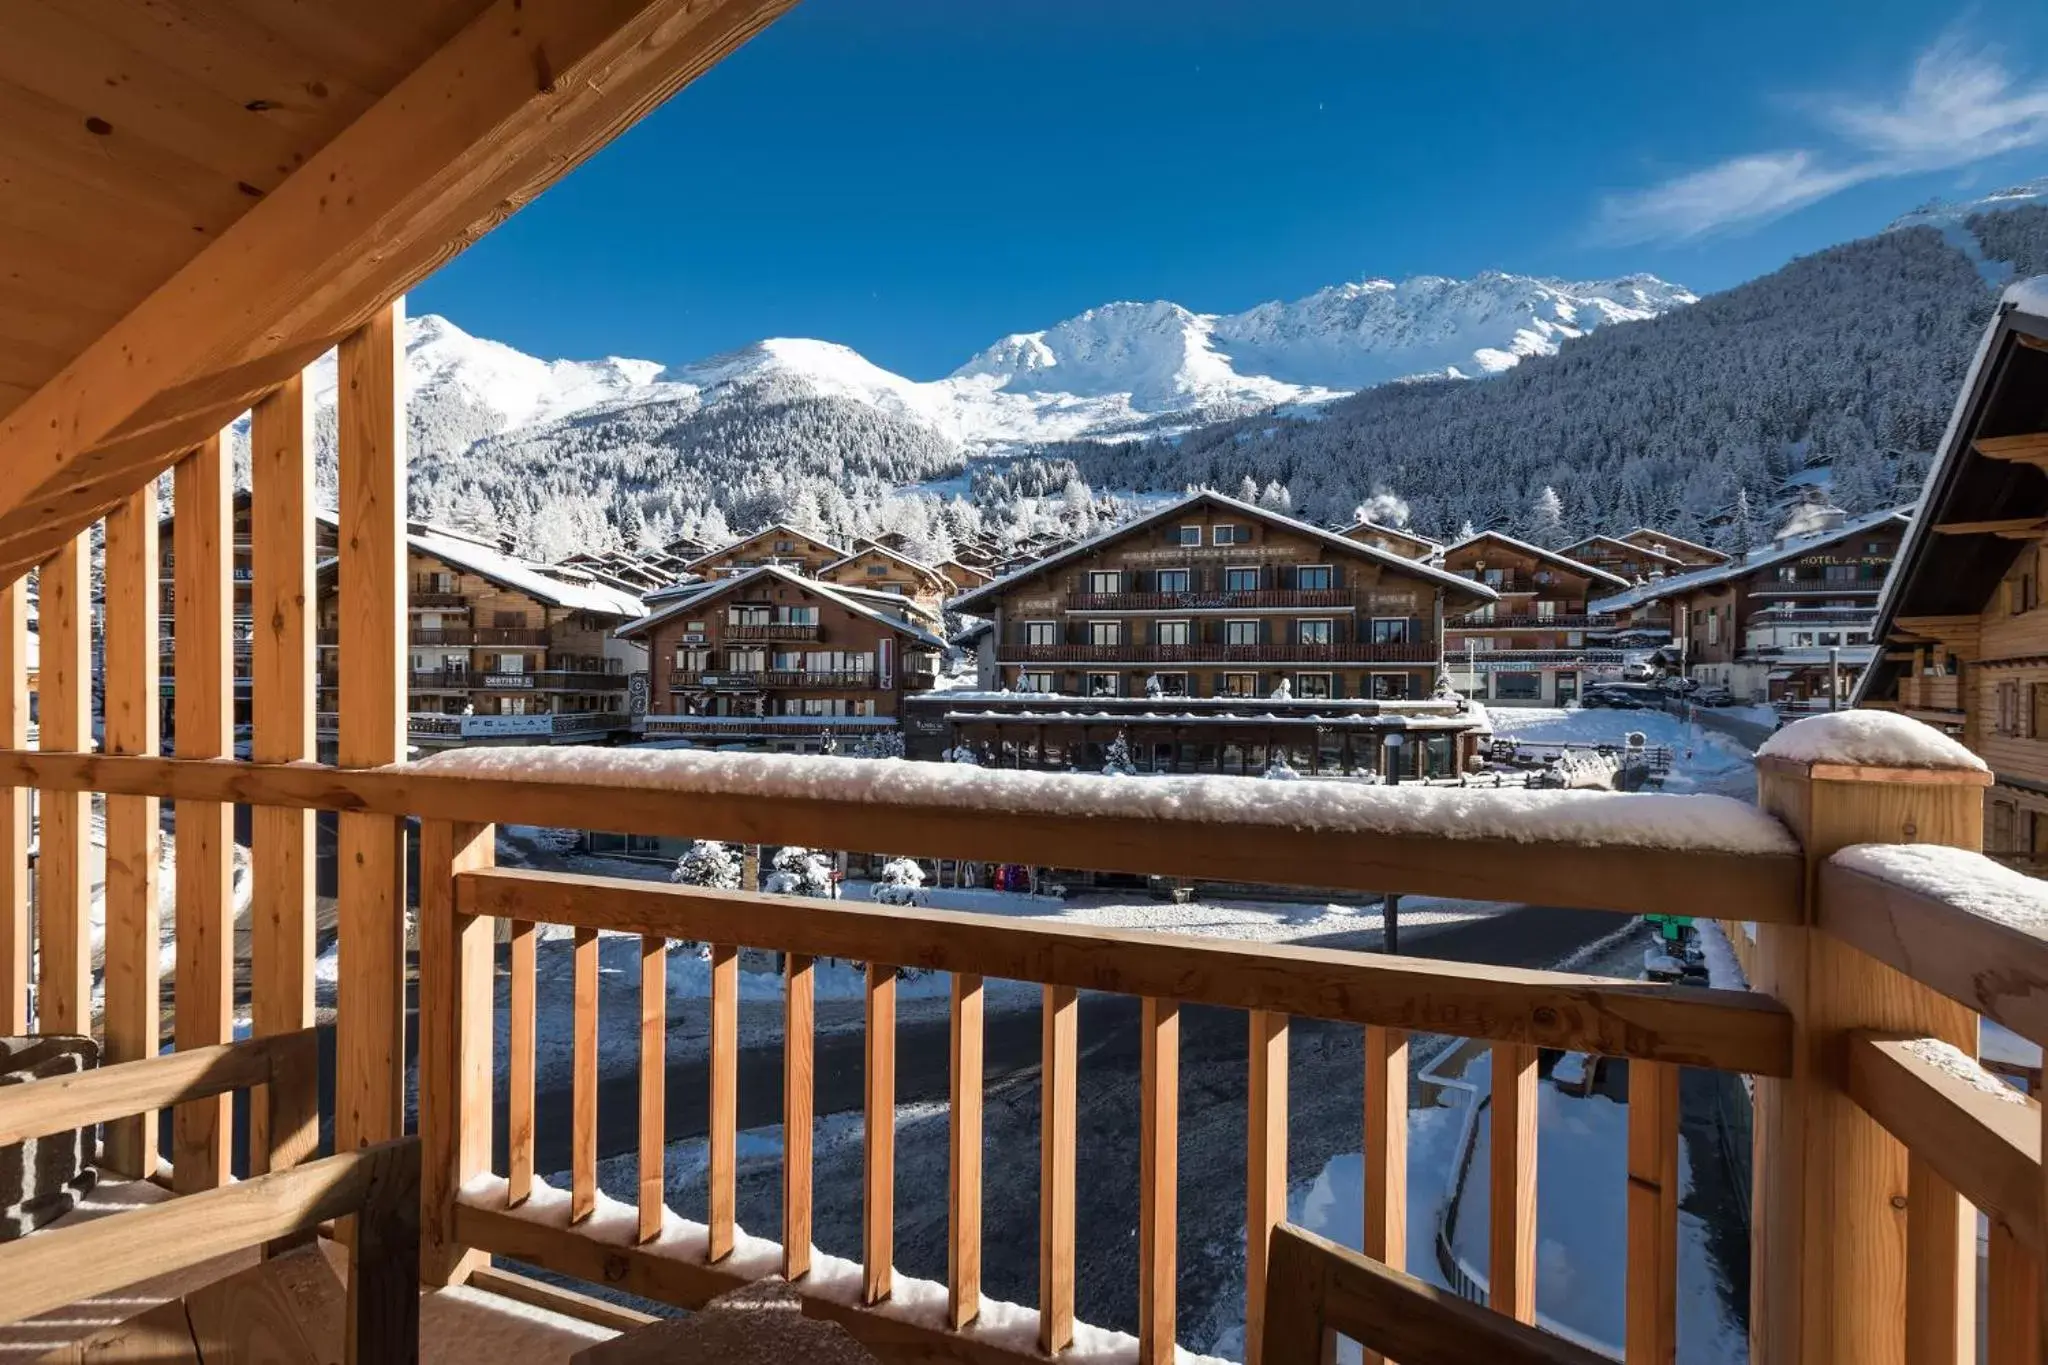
(455, 1042)
(1831, 1186)
(15, 947)
(63, 875)
(369, 1098)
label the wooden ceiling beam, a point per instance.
(511, 103)
(2029, 448)
(1989, 528)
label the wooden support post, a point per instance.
(1386, 1151)
(63, 881)
(1651, 1301)
(653, 1191)
(16, 947)
(1059, 1035)
(878, 1209)
(722, 1115)
(133, 927)
(1511, 1239)
(1829, 1197)
(455, 1043)
(203, 709)
(519, 1044)
(370, 994)
(963, 1214)
(1158, 1179)
(2012, 1322)
(281, 607)
(1941, 1287)
(583, 1081)
(1265, 1179)
(798, 1046)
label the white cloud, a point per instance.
(1959, 106)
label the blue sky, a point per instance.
(916, 178)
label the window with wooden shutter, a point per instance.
(2037, 709)
(2001, 827)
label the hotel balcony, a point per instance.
(1354, 652)
(754, 681)
(1219, 599)
(774, 630)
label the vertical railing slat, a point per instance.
(1511, 1236)
(964, 1142)
(63, 882)
(798, 1099)
(203, 713)
(1158, 1178)
(16, 947)
(454, 1043)
(370, 994)
(2012, 1323)
(1386, 1150)
(1059, 1059)
(1651, 1298)
(722, 1131)
(281, 597)
(519, 1045)
(1941, 1270)
(583, 1081)
(133, 930)
(878, 1209)
(653, 1195)
(1265, 1163)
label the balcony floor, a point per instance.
(459, 1326)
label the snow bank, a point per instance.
(1594, 819)
(1877, 739)
(1968, 881)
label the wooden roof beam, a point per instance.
(2026, 527)
(2030, 448)
(514, 101)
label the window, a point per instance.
(509, 620)
(783, 547)
(2020, 594)
(746, 660)
(1312, 685)
(1546, 610)
(693, 660)
(1039, 634)
(1313, 632)
(1240, 632)
(1518, 686)
(1240, 580)
(1105, 581)
(2008, 708)
(2037, 707)
(1105, 632)
(749, 616)
(1714, 626)
(1479, 644)
(1788, 574)
(1188, 535)
(511, 663)
(1173, 580)
(1240, 684)
(1036, 682)
(1171, 684)
(877, 570)
(1393, 630)
(1494, 578)
(1102, 685)
(1227, 534)
(1390, 687)
(1170, 632)
(1314, 577)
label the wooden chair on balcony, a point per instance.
(232, 1273)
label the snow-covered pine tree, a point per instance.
(1116, 759)
(707, 862)
(1546, 519)
(798, 871)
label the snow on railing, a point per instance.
(1870, 739)
(1591, 819)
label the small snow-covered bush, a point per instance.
(1284, 692)
(707, 862)
(884, 744)
(799, 872)
(963, 754)
(903, 872)
(1279, 770)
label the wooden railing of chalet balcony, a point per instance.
(1417, 649)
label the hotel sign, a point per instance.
(508, 681)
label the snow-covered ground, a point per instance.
(1702, 760)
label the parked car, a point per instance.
(1680, 687)
(1624, 696)
(1714, 696)
(1638, 671)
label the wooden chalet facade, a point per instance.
(1685, 551)
(873, 567)
(1540, 643)
(771, 659)
(1963, 621)
(1770, 624)
(780, 545)
(1624, 558)
(204, 200)
(498, 650)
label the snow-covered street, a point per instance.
(1702, 760)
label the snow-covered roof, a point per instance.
(532, 579)
(1370, 525)
(1745, 564)
(1619, 543)
(1564, 560)
(831, 592)
(782, 528)
(1388, 558)
(867, 547)
(1668, 538)
(2028, 296)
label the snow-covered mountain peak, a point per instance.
(1946, 213)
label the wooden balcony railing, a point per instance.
(1930, 694)
(773, 677)
(1526, 621)
(1421, 650)
(774, 630)
(1212, 599)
